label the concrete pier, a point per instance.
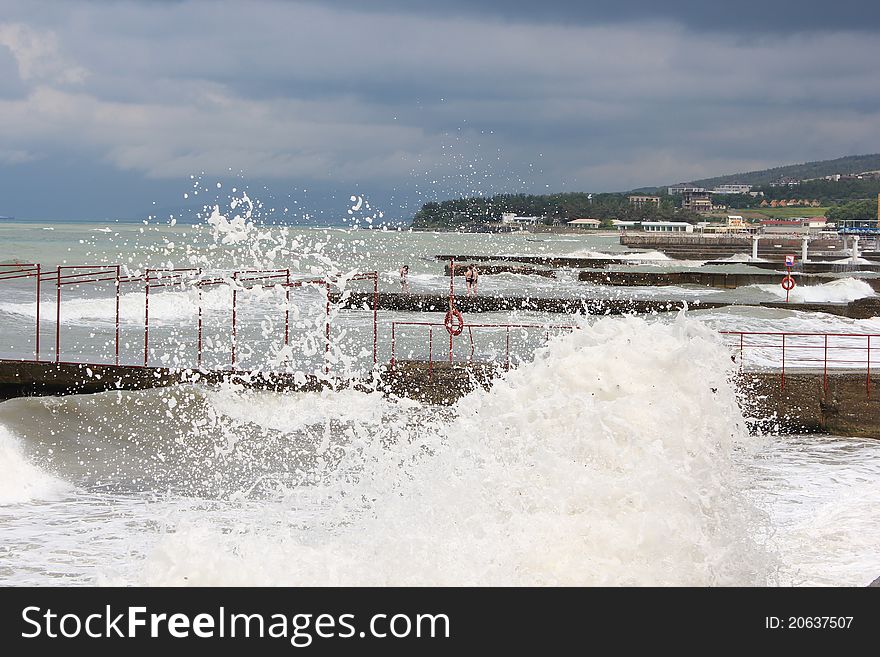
(846, 408)
(850, 406)
(482, 304)
(439, 303)
(709, 247)
(489, 270)
(547, 261)
(817, 265)
(706, 278)
(846, 403)
(30, 378)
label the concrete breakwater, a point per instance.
(808, 402)
(704, 247)
(705, 278)
(22, 378)
(461, 270)
(803, 405)
(805, 267)
(482, 304)
(439, 303)
(547, 261)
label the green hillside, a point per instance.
(848, 164)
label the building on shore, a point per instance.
(623, 226)
(641, 200)
(584, 223)
(697, 201)
(667, 227)
(683, 188)
(512, 219)
(735, 225)
(799, 226)
(734, 188)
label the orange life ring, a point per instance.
(788, 283)
(454, 322)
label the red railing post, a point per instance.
(146, 316)
(58, 317)
(451, 299)
(393, 337)
(375, 318)
(327, 330)
(37, 343)
(234, 299)
(287, 307)
(741, 354)
(199, 356)
(117, 283)
(783, 361)
(825, 367)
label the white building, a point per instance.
(667, 227)
(734, 188)
(585, 223)
(511, 218)
(681, 188)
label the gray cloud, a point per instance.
(776, 16)
(407, 101)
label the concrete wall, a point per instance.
(848, 405)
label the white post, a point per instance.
(755, 239)
(855, 249)
(804, 248)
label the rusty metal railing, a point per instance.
(787, 350)
(72, 275)
(431, 326)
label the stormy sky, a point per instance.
(108, 107)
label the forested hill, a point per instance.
(848, 164)
(465, 212)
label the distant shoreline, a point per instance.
(541, 230)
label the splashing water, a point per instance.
(611, 459)
(617, 456)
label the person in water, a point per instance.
(470, 279)
(404, 283)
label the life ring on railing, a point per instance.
(454, 322)
(788, 283)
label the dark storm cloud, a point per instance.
(743, 16)
(429, 99)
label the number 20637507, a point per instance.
(808, 622)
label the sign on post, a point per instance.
(788, 281)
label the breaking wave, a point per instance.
(842, 290)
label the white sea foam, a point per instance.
(608, 460)
(167, 306)
(740, 257)
(851, 260)
(20, 480)
(842, 290)
(647, 255)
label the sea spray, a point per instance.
(21, 480)
(610, 459)
(842, 290)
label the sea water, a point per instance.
(613, 454)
